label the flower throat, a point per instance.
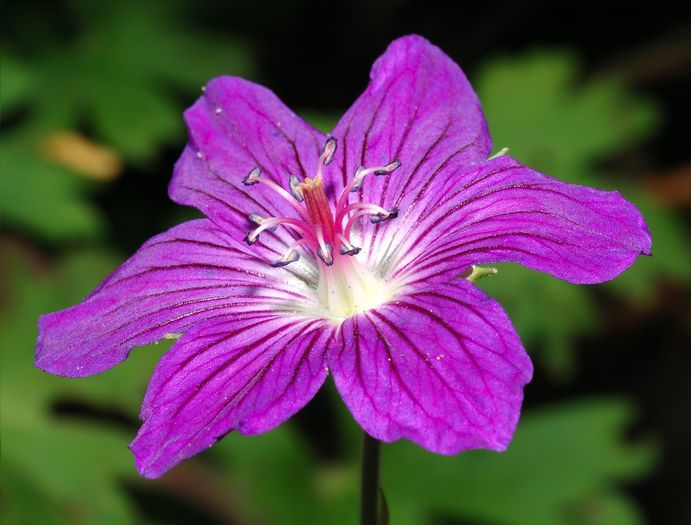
(345, 287)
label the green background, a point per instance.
(603, 437)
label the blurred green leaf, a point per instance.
(282, 481)
(24, 503)
(70, 468)
(42, 197)
(123, 72)
(537, 106)
(123, 76)
(16, 82)
(549, 314)
(561, 468)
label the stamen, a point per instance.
(259, 220)
(286, 260)
(253, 177)
(384, 216)
(319, 232)
(345, 287)
(358, 179)
(326, 156)
(328, 152)
(295, 224)
(347, 248)
(325, 251)
(249, 239)
(356, 183)
(351, 222)
(295, 189)
(378, 217)
(291, 255)
(385, 170)
(378, 210)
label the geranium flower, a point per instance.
(341, 254)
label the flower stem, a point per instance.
(369, 483)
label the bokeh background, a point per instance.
(92, 95)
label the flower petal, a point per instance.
(419, 108)
(249, 373)
(234, 127)
(505, 211)
(190, 273)
(441, 366)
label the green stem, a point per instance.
(369, 484)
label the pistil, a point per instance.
(318, 207)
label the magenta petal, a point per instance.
(419, 108)
(181, 277)
(441, 366)
(234, 127)
(249, 373)
(505, 211)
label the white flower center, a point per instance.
(346, 289)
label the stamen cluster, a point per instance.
(319, 228)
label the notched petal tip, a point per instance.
(578, 234)
(145, 470)
(646, 236)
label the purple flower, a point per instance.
(342, 254)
